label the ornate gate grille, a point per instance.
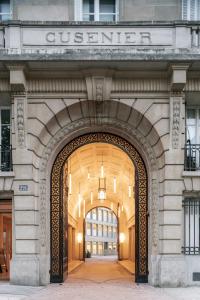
(57, 219)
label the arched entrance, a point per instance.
(58, 206)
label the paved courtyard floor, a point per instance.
(97, 280)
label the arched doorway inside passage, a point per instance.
(59, 207)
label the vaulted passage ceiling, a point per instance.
(85, 168)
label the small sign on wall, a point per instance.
(23, 187)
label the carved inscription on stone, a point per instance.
(97, 36)
(102, 38)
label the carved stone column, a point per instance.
(172, 263)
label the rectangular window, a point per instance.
(114, 232)
(94, 214)
(99, 214)
(191, 208)
(5, 137)
(89, 229)
(5, 13)
(94, 248)
(191, 10)
(110, 217)
(89, 215)
(100, 230)
(192, 148)
(105, 231)
(94, 229)
(105, 216)
(98, 10)
(109, 231)
(88, 246)
(100, 248)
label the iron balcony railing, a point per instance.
(192, 157)
(5, 158)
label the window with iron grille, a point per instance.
(191, 208)
(5, 10)
(191, 10)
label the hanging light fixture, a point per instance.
(102, 189)
(102, 171)
(115, 185)
(102, 184)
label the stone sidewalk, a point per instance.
(97, 280)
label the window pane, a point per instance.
(100, 228)
(5, 10)
(88, 18)
(99, 214)
(94, 230)
(191, 116)
(100, 248)
(107, 6)
(5, 116)
(88, 229)
(105, 214)
(5, 128)
(88, 6)
(94, 214)
(191, 136)
(107, 18)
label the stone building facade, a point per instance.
(67, 71)
(101, 232)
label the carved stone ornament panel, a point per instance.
(20, 122)
(176, 102)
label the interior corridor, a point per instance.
(101, 270)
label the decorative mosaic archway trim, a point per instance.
(56, 205)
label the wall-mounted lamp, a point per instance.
(121, 237)
(79, 237)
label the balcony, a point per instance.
(6, 158)
(192, 157)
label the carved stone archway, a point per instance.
(56, 205)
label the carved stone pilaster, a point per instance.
(177, 84)
(176, 100)
(20, 113)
